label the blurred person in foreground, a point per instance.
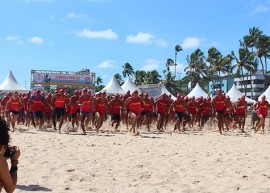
(8, 177)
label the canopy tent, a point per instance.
(129, 85)
(10, 84)
(197, 92)
(234, 94)
(164, 90)
(266, 94)
(113, 87)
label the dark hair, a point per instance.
(4, 135)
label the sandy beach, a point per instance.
(194, 161)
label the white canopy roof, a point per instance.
(10, 84)
(266, 94)
(234, 94)
(113, 87)
(197, 92)
(129, 85)
(164, 90)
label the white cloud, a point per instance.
(140, 38)
(36, 40)
(151, 64)
(103, 34)
(12, 38)
(260, 9)
(145, 38)
(79, 16)
(106, 64)
(191, 42)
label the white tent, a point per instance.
(113, 87)
(10, 84)
(129, 85)
(266, 94)
(234, 94)
(197, 92)
(164, 90)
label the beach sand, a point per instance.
(194, 161)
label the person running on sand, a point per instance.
(14, 106)
(36, 103)
(192, 110)
(262, 107)
(100, 108)
(147, 112)
(86, 107)
(59, 102)
(134, 104)
(126, 112)
(115, 105)
(218, 104)
(162, 106)
(28, 115)
(179, 107)
(241, 112)
(48, 110)
(5, 111)
(8, 177)
(75, 109)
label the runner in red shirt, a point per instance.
(179, 108)
(219, 106)
(206, 110)
(162, 106)
(241, 112)
(14, 106)
(59, 102)
(5, 111)
(48, 109)
(75, 109)
(115, 105)
(36, 102)
(135, 105)
(86, 108)
(101, 108)
(262, 112)
(147, 112)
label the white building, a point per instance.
(255, 84)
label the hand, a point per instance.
(16, 154)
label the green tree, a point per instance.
(153, 77)
(140, 77)
(127, 70)
(245, 61)
(119, 79)
(196, 68)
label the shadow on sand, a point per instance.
(33, 188)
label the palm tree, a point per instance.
(99, 86)
(218, 64)
(119, 79)
(263, 52)
(249, 42)
(99, 81)
(169, 83)
(196, 68)
(169, 63)
(127, 70)
(177, 49)
(245, 61)
(140, 77)
(153, 77)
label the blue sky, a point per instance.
(103, 35)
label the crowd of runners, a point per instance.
(85, 110)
